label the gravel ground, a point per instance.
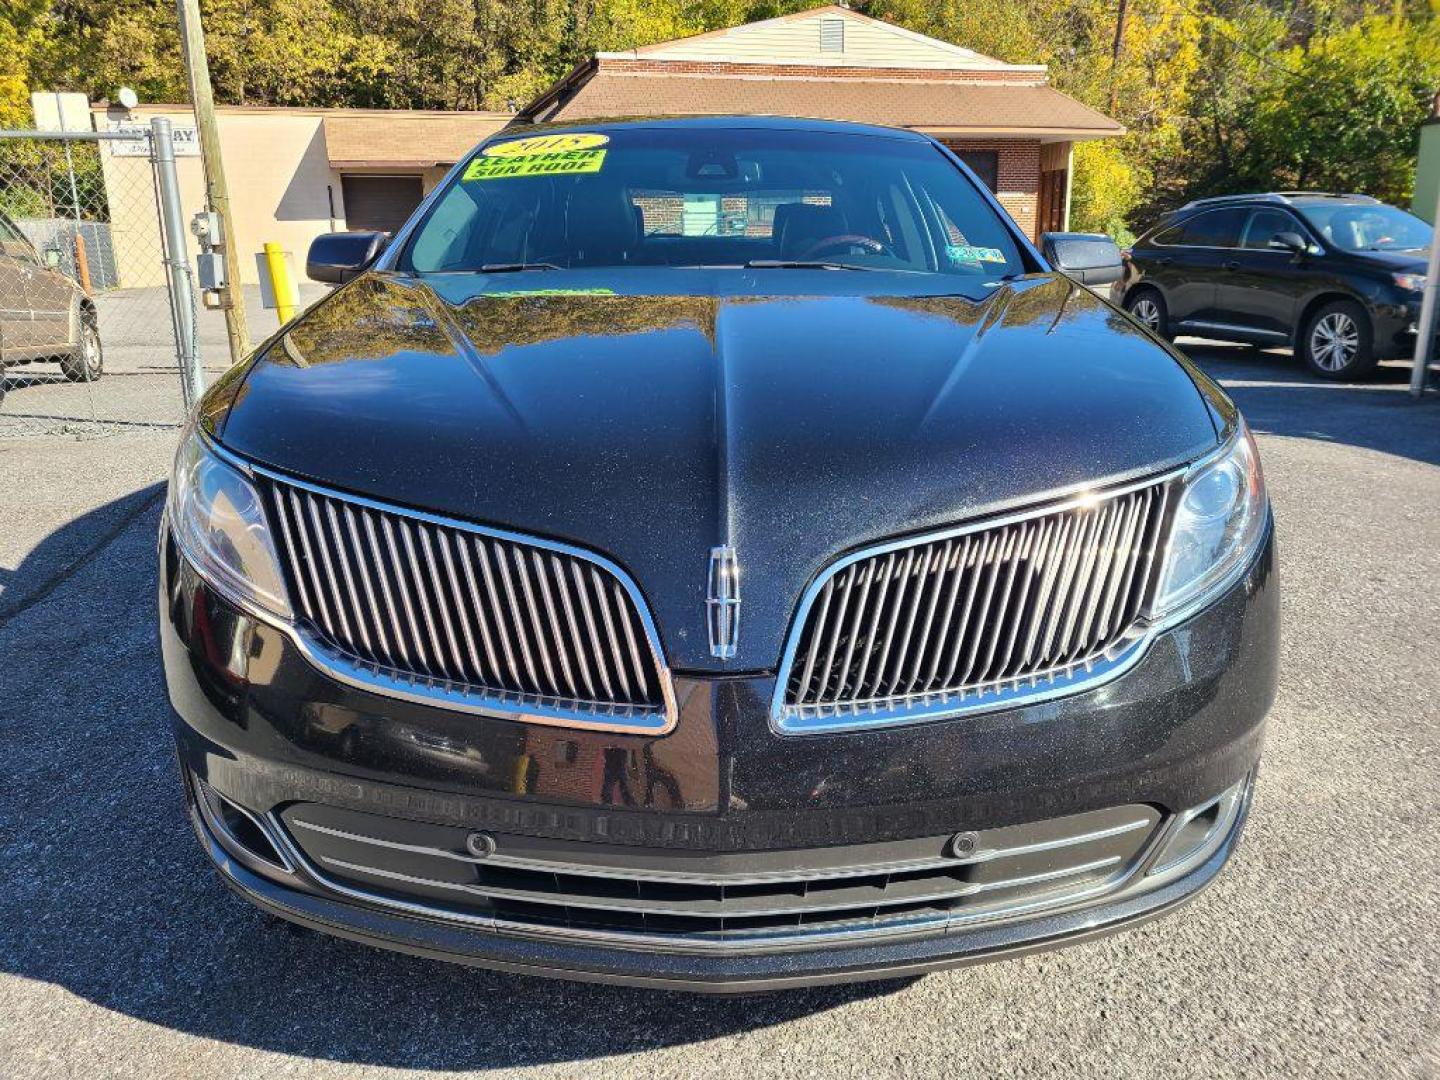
(1315, 954)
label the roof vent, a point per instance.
(832, 35)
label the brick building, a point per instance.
(1005, 120)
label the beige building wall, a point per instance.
(134, 216)
(279, 181)
(282, 184)
(277, 171)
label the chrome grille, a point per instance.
(474, 616)
(730, 901)
(965, 618)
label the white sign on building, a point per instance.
(186, 138)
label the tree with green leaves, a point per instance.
(1215, 95)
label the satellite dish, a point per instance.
(128, 97)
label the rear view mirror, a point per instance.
(338, 257)
(1289, 241)
(1089, 258)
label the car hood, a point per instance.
(1399, 262)
(653, 428)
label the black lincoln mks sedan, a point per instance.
(721, 554)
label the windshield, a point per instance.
(712, 197)
(1368, 228)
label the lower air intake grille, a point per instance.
(940, 622)
(735, 901)
(424, 606)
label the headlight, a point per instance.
(1410, 282)
(219, 525)
(1217, 526)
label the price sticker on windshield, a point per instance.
(540, 155)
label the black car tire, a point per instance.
(1337, 341)
(87, 362)
(1147, 307)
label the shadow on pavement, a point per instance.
(66, 550)
(19, 377)
(107, 895)
(1279, 396)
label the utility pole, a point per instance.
(217, 193)
(1429, 328)
(1429, 325)
(1115, 51)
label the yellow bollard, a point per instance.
(281, 286)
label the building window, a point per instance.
(983, 163)
(832, 35)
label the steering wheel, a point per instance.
(845, 240)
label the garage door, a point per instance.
(379, 202)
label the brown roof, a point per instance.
(405, 138)
(981, 107)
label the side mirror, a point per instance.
(1089, 258)
(52, 258)
(338, 257)
(1289, 241)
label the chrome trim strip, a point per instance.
(1203, 324)
(688, 878)
(525, 708)
(890, 712)
(202, 795)
(735, 943)
(716, 907)
(1230, 803)
(554, 712)
(900, 709)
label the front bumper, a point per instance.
(267, 733)
(1397, 328)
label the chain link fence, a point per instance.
(87, 334)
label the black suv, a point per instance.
(1336, 277)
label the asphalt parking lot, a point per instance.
(1316, 953)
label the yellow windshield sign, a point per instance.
(546, 144)
(567, 161)
(540, 155)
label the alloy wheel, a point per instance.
(90, 355)
(1148, 312)
(1334, 341)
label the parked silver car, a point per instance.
(44, 315)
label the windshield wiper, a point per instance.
(802, 264)
(513, 268)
